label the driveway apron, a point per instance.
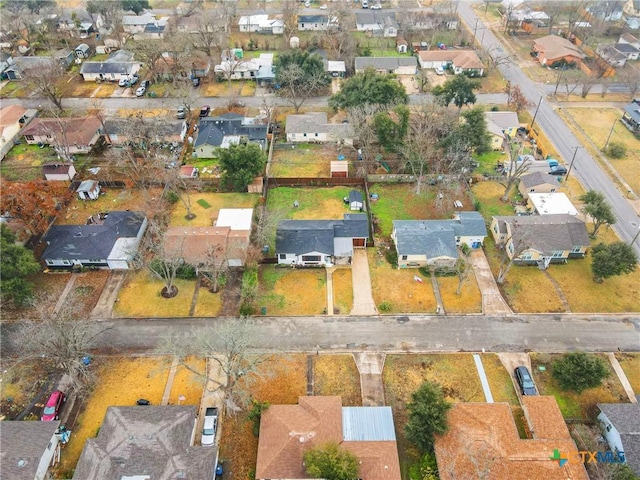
(370, 367)
(363, 303)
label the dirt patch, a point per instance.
(337, 375)
(410, 84)
(231, 294)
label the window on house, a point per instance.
(532, 189)
(316, 134)
(404, 257)
(311, 258)
(511, 247)
(29, 137)
(609, 427)
(304, 134)
(526, 256)
(576, 250)
(557, 254)
(283, 256)
(553, 190)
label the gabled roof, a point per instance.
(76, 131)
(313, 19)
(537, 178)
(355, 196)
(336, 66)
(625, 48)
(138, 19)
(56, 168)
(633, 109)
(497, 122)
(304, 236)
(627, 37)
(380, 18)
(626, 418)
(262, 20)
(213, 130)
(120, 61)
(460, 58)
(555, 47)
(146, 441)
(316, 122)
(24, 442)
(385, 63)
(96, 241)
(11, 114)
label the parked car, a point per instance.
(210, 426)
(195, 82)
(145, 84)
(181, 113)
(558, 171)
(52, 407)
(204, 111)
(141, 91)
(376, 7)
(439, 71)
(525, 381)
(323, 7)
(365, 4)
(128, 81)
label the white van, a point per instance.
(365, 4)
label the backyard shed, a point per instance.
(88, 190)
(339, 168)
(82, 51)
(356, 202)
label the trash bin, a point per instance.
(263, 311)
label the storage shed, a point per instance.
(356, 202)
(339, 168)
(88, 190)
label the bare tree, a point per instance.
(212, 31)
(629, 78)
(516, 168)
(290, 10)
(463, 267)
(45, 80)
(297, 86)
(517, 100)
(266, 223)
(215, 267)
(496, 57)
(229, 344)
(182, 187)
(360, 119)
(514, 245)
(148, 52)
(165, 260)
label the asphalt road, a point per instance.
(585, 168)
(515, 333)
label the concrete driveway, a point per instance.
(492, 301)
(363, 303)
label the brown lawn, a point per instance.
(306, 160)
(121, 381)
(21, 382)
(499, 379)
(469, 300)
(286, 291)
(207, 210)
(209, 304)
(187, 383)
(342, 291)
(630, 363)
(140, 297)
(88, 287)
(236, 89)
(337, 375)
(48, 286)
(398, 287)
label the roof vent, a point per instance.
(21, 463)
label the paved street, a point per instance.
(545, 333)
(585, 167)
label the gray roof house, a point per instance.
(110, 241)
(396, 65)
(537, 182)
(421, 243)
(225, 130)
(631, 116)
(320, 242)
(28, 449)
(314, 127)
(147, 442)
(541, 239)
(379, 22)
(620, 424)
(118, 64)
(20, 67)
(313, 22)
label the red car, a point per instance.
(52, 408)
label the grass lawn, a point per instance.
(187, 383)
(469, 300)
(237, 88)
(342, 291)
(121, 381)
(209, 304)
(499, 379)
(488, 162)
(281, 381)
(24, 162)
(403, 374)
(140, 297)
(15, 90)
(492, 83)
(574, 405)
(488, 194)
(630, 363)
(280, 291)
(306, 160)
(398, 287)
(314, 203)
(615, 294)
(337, 375)
(206, 206)
(596, 123)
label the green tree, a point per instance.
(300, 75)
(426, 469)
(136, 6)
(331, 462)
(392, 132)
(17, 263)
(427, 416)
(611, 260)
(617, 150)
(241, 164)
(369, 87)
(578, 371)
(598, 209)
(458, 90)
(472, 134)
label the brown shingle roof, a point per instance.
(11, 114)
(193, 243)
(78, 131)
(483, 441)
(555, 47)
(460, 58)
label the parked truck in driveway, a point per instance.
(210, 426)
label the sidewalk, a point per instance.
(104, 308)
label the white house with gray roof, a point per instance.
(620, 423)
(378, 22)
(313, 127)
(320, 242)
(119, 64)
(28, 449)
(388, 65)
(434, 243)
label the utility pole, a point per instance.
(536, 112)
(575, 152)
(475, 29)
(635, 238)
(606, 144)
(558, 81)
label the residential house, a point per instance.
(82, 51)
(313, 22)
(631, 116)
(336, 68)
(59, 172)
(12, 119)
(606, 10)
(6, 60)
(261, 24)
(552, 203)
(377, 22)
(388, 65)
(110, 241)
(288, 431)
(501, 125)
(482, 440)
(530, 20)
(119, 64)
(541, 239)
(193, 65)
(225, 130)
(226, 240)
(166, 131)
(552, 49)
(620, 423)
(153, 31)
(631, 52)
(77, 22)
(434, 243)
(537, 182)
(67, 134)
(28, 449)
(631, 14)
(21, 66)
(458, 61)
(629, 39)
(266, 74)
(320, 242)
(133, 24)
(240, 68)
(313, 127)
(147, 442)
(611, 55)
(88, 190)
